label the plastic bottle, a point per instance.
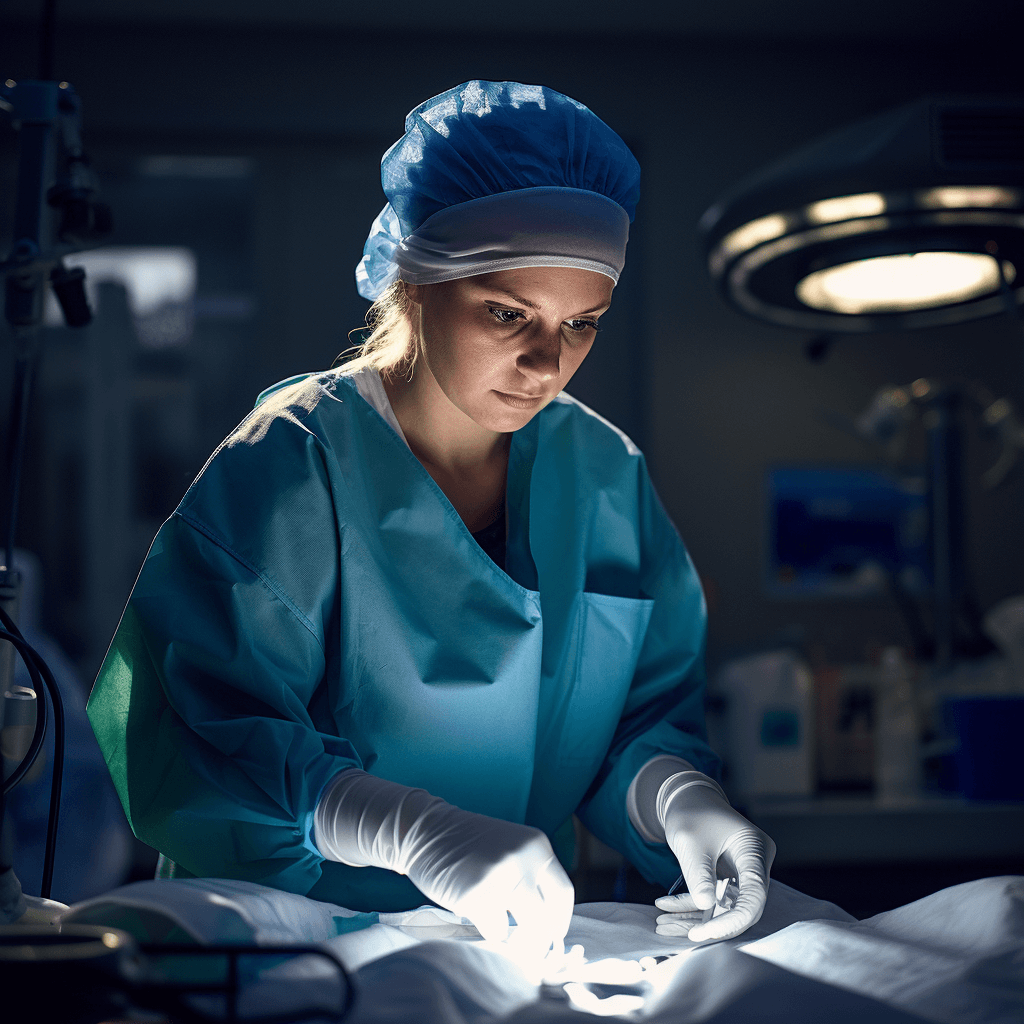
(770, 725)
(897, 731)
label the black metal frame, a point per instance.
(170, 997)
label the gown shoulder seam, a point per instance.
(200, 527)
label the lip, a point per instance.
(520, 401)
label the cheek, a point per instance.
(478, 357)
(463, 360)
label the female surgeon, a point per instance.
(417, 611)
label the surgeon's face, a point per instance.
(500, 346)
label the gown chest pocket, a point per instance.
(611, 632)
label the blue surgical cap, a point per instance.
(492, 175)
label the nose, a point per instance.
(540, 357)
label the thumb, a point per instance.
(490, 921)
(751, 851)
(698, 867)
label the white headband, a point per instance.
(529, 227)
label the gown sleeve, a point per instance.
(201, 706)
(664, 711)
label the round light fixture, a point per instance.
(914, 218)
(897, 284)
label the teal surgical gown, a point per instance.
(316, 603)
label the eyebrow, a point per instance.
(533, 305)
(514, 297)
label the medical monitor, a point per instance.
(846, 532)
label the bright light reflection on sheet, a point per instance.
(604, 987)
(582, 998)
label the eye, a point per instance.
(505, 316)
(578, 326)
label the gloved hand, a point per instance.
(710, 841)
(479, 867)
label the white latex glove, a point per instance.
(711, 841)
(479, 867)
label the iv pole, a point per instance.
(49, 223)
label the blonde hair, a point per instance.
(389, 347)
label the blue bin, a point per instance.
(990, 735)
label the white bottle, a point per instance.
(769, 725)
(1004, 624)
(897, 736)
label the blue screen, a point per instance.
(846, 532)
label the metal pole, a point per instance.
(20, 399)
(941, 420)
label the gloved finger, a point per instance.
(698, 866)
(491, 921)
(683, 921)
(728, 926)
(527, 942)
(533, 932)
(752, 895)
(747, 910)
(545, 894)
(559, 896)
(677, 925)
(749, 851)
(542, 912)
(681, 904)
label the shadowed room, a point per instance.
(833, 424)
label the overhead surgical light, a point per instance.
(913, 218)
(895, 284)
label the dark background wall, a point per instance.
(308, 95)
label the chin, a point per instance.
(503, 419)
(505, 424)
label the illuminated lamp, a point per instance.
(912, 218)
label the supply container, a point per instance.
(769, 729)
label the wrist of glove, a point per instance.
(711, 841)
(479, 867)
